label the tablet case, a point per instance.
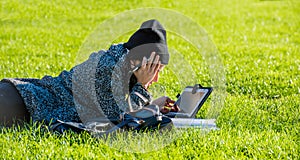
(182, 115)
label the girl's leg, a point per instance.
(12, 107)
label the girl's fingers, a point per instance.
(169, 104)
(157, 66)
(151, 58)
(155, 62)
(144, 62)
(176, 108)
(170, 100)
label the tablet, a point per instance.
(190, 101)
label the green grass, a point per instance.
(258, 42)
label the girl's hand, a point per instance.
(169, 107)
(166, 105)
(148, 69)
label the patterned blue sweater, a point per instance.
(94, 89)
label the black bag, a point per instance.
(148, 118)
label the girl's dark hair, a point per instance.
(132, 82)
(129, 79)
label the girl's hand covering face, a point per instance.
(148, 69)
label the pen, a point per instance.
(138, 66)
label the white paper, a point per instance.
(194, 123)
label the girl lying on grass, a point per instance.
(108, 84)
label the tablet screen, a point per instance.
(189, 102)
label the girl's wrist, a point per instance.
(142, 84)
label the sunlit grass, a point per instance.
(258, 42)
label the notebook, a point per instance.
(190, 101)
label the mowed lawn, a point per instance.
(258, 42)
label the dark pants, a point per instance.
(12, 107)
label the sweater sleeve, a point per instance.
(139, 96)
(134, 100)
(104, 94)
(112, 97)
